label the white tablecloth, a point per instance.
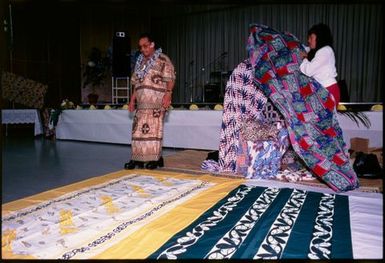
(21, 116)
(182, 129)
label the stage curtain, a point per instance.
(215, 41)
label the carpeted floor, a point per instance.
(187, 160)
(190, 161)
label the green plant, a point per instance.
(55, 113)
(358, 117)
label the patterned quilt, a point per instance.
(266, 223)
(80, 223)
(165, 215)
(308, 108)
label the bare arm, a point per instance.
(166, 102)
(131, 105)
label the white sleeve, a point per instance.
(311, 68)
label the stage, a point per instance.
(186, 129)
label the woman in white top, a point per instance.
(319, 62)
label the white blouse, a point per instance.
(322, 67)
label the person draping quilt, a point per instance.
(272, 71)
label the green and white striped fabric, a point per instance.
(254, 222)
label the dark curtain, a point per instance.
(206, 46)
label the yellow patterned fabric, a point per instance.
(102, 216)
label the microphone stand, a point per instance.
(191, 81)
(216, 60)
(200, 73)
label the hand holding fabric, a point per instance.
(303, 54)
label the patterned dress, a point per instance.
(147, 130)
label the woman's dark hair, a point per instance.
(324, 38)
(150, 38)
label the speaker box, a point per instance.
(121, 55)
(212, 92)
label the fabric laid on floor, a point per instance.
(143, 214)
(267, 223)
(86, 222)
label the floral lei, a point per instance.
(141, 72)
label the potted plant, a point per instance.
(95, 73)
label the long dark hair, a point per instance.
(324, 38)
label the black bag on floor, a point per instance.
(213, 156)
(367, 165)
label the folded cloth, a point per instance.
(265, 156)
(259, 131)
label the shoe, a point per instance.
(160, 162)
(155, 164)
(132, 164)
